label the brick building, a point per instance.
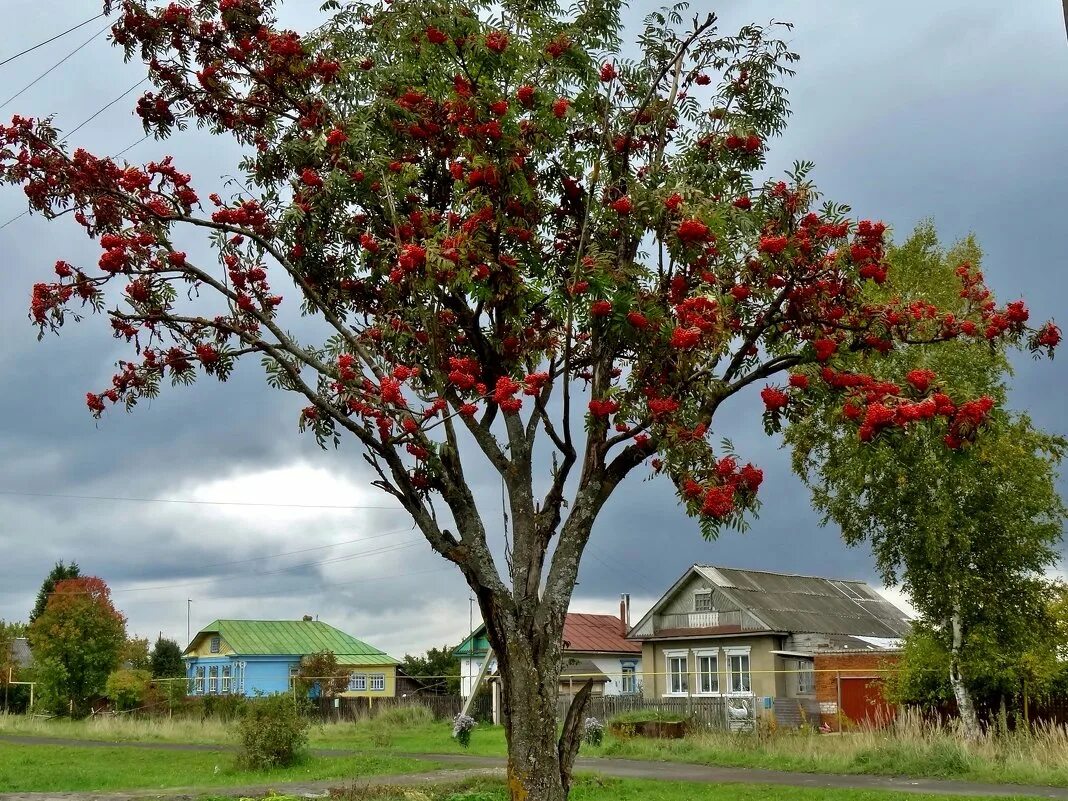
(849, 686)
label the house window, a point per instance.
(628, 681)
(378, 681)
(358, 682)
(198, 681)
(805, 679)
(738, 666)
(224, 684)
(216, 643)
(707, 673)
(678, 677)
(702, 601)
(213, 680)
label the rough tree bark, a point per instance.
(968, 718)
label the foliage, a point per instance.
(135, 654)
(166, 659)
(59, 572)
(9, 632)
(526, 249)
(461, 729)
(968, 530)
(319, 676)
(440, 666)
(126, 688)
(273, 733)
(77, 641)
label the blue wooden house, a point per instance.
(250, 657)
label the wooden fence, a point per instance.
(442, 707)
(735, 714)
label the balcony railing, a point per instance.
(705, 620)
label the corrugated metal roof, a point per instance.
(295, 638)
(794, 603)
(597, 633)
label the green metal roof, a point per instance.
(294, 638)
(481, 644)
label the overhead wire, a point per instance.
(55, 66)
(51, 39)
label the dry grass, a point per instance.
(912, 747)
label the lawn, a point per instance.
(912, 750)
(591, 789)
(43, 768)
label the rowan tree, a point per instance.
(511, 234)
(967, 530)
(77, 641)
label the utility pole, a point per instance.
(188, 614)
(471, 640)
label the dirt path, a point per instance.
(465, 765)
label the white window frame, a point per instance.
(628, 680)
(358, 682)
(378, 682)
(702, 594)
(215, 645)
(213, 679)
(737, 653)
(684, 684)
(224, 679)
(700, 656)
(198, 680)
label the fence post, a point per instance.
(838, 679)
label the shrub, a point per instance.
(273, 733)
(126, 688)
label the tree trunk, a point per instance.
(969, 720)
(539, 764)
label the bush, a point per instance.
(461, 729)
(273, 733)
(126, 688)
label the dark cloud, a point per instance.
(954, 111)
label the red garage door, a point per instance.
(863, 701)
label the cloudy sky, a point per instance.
(956, 111)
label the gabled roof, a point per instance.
(583, 633)
(597, 633)
(579, 670)
(293, 638)
(790, 603)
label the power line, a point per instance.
(55, 66)
(100, 111)
(51, 39)
(193, 502)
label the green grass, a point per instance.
(593, 789)
(912, 749)
(43, 768)
(642, 717)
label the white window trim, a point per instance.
(378, 682)
(225, 679)
(668, 656)
(708, 652)
(738, 651)
(215, 645)
(628, 671)
(358, 682)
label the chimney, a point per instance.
(626, 597)
(624, 612)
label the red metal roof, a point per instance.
(597, 633)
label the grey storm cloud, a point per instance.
(954, 111)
